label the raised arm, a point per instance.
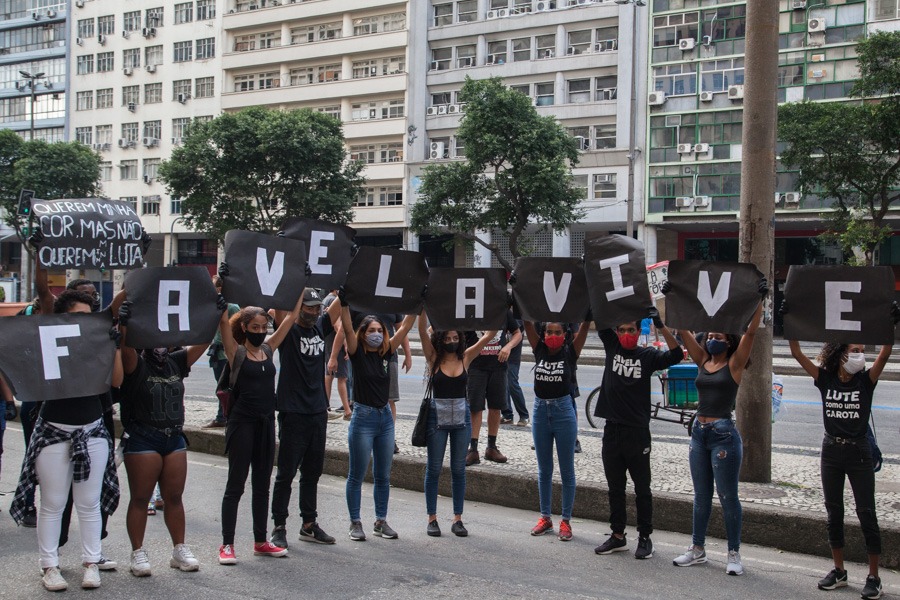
(698, 355)
(740, 357)
(880, 362)
(581, 337)
(531, 334)
(427, 349)
(476, 348)
(229, 345)
(347, 326)
(42, 284)
(402, 331)
(808, 365)
(285, 326)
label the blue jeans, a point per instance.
(554, 419)
(715, 456)
(516, 397)
(371, 433)
(437, 444)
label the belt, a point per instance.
(704, 425)
(550, 400)
(843, 440)
(166, 431)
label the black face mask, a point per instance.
(450, 347)
(157, 357)
(256, 339)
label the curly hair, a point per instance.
(69, 298)
(361, 334)
(437, 342)
(242, 318)
(831, 357)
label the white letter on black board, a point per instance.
(835, 306)
(318, 251)
(51, 352)
(384, 271)
(461, 301)
(556, 297)
(619, 291)
(712, 302)
(269, 278)
(183, 289)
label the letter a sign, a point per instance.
(551, 289)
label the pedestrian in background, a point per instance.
(516, 399)
(217, 358)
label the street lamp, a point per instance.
(32, 83)
(632, 136)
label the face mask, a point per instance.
(158, 357)
(256, 339)
(855, 362)
(450, 347)
(374, 340)
(629, 341)
(716, 346)
(554, 342)
(308, 320)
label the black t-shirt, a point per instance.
(255, 389)
(846, 406)
(371, 377)
(389, 320)
(625, 390)
(156, 397)
(301, 382)
(553, 372)
(487, 359)
(73, 411)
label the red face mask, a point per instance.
(629, 341)
(554, 342)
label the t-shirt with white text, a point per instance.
(846, 406)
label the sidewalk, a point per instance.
(787, 514)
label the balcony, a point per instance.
(318, 92)
(315, 51)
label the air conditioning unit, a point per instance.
(132, 106)
(603, 178)
(571, 51)
(492, 14)
(706, 96)
(816, 25)
(701, 148)
(147, 179)
(684, 201)
(467, 61)
(183, 98)
(51, 14)
(548, 54)
(453, 109)
(79, 3)
(105, 146)
(656, 98)
(798, 4)
(442, 109)
(101, 39)
(735, 92)
(128, 71)
(606, 46)
(437, 150)
(151, 68)
(79, 41)
(434, 65)
(124, 143)
(96, 146)
(544, 5)
(702, 203)
(687, 44)
(431, 111)
(791, 197)
(685, 148)
(148, 31)
(502, 13)
(150, 142)
(36, 16)
(462, 107)
(706, 40)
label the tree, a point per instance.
(850, 151)
(252, 169)
(517, 172)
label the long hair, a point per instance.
(831, 357)
(361, 334)
(437, 342)
(733, 343)
(70, 298)
(242, 318)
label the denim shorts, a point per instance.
(147, 440)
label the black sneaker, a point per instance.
(836, 578)
(612, 544)
(382, 529)
(872, 589)
(458, 529)
(434, 530)
(314, 534)
(644, 548)
(279, 536)
(577, 446)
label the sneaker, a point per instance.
(644, 548)
(382, 529)
(30, 519)
(396, 448)
(734, 566)
(91, 579)
(268, 549)
(872, 589)
(506, 421)
(104, 564)
(53, 580)
(433, 529)
(214, 424)
(544, 525)
(314, 534)
(693, 556)
(494, 454)
(332, 416)
(577, 446)
(612, 544)
(836, 578)
(356, 532)
(565, 531)
(151, 509)
(458, 529)
(279, 536)
(183, 559)
(140, 564)
(523, 422)
(226, 555)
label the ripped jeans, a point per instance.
(715, 457)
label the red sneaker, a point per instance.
(226, 555)
(543, 526)
(268, 549)
(565, 531)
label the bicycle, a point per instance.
(676, 406)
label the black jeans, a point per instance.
(853, 460)
(249, 444)
(627, 449)
(301, 445)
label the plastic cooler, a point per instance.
(680, 389)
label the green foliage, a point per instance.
(254, 168)
(517, 171)
(879, 65)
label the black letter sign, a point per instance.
(551, 289)
(386, 281)
(264, 270)
(466, 299)
(617, 280)
(327, 247)
(712, 296)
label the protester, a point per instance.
(624, 402)
(302, 416)
(217, 358)
(716, 446)
(338, 365)
(448, 360)
(7, 407)
(371, 432)
(28, 412)
(515, 397)
(847, 388)
(250, 433)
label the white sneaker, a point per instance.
(693, 556)
(734, 566)
(53, 580)
(91, 578)
(140, 564)
(183, 559)
(105, 564)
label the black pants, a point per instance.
(248, 444)
(301, 445)
(853, 460)
(627, 449)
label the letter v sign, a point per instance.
(712, 302)
(269, 278)
(556, 297)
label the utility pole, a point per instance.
(26, 268)
(757, 222)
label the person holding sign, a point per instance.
(716, 446)
(448, 361)
(847, 388)
(250, 433)
(371, 432)
(553, 416)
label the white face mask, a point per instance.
(855, 362)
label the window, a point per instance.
(106, 25)
(154, 17)
(607, 39)
(364, 68)
(496, 53)
(206, 48)
(255, 41)
(393, 65)
(580, 182)
(675, 80)
(152, 93)
(175, 206)
(271, 79)
(132, 200)
(582, 136)
(391, 152)
(84, 100)
(105, 61)
(465, 56)
(84, 64)
(302, 76)
(521, 48)
(546, 46)
(204, 87)
(443, 14)
(206, 9)
(393, 109)
(605, 88)
(543, 94)
(184, 13)
(106, 171)
(328, 73)
(244, 83)
(669, 29)
(885, 9)
(131, 57)
(179, 87)
(183, 51)
(363, 111)
(605, 186)
(381, 23)
(440, 59)
(153, 55)
(441, 98)
(150, 205)
(84, 135)
(579, 42)
(180, 128)
(329, 31)
(605, 137)
(131, 95)
(105, 98)
(151, 168)
(725, 23)
(131, 21)
(717, 75)
(153, 129)
(390, 196)
(128, 169)
(579, 91)
(466, 11)
(459, 148)
(364, 154)
(103, 134)
(525, 90)
(85, 28)
(331, 111)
